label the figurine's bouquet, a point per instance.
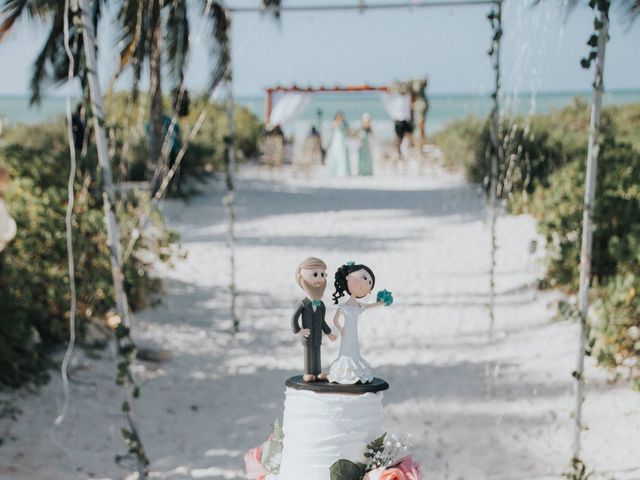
(385, 297)
(387, 459)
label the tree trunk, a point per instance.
(155, 91)
(587, 226)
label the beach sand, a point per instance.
(476, 408)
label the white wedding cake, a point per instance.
(321, 428)
(333, 424)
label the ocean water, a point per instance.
(442, 108)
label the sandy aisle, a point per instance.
(476, 409)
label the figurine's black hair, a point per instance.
(340, 282)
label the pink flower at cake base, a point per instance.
(252, 462)
(393, 474)
(409, 468)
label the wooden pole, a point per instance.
(97, 107)
(230, 179)
(493, 184)
(267, 115)
(587, 226)
(108, 198)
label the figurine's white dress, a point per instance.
(350, 367)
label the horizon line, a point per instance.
(435, 95)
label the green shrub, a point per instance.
(458, 142)
(616, 328)
(526, 157)
(530, 148)
(542, 170)
(34, 286)
(207, 152)
(617, 210)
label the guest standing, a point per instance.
(365, 157)
(338, 152)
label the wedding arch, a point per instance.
(290, 99)
(284, 104)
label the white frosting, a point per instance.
(320, 428)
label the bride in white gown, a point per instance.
(358, 281)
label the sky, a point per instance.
(541, 49)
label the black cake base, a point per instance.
(377, 385)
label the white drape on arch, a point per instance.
(7, 226)
(285, 106)
(397, 105)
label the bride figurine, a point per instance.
(357, 281)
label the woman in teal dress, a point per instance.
(337, 157)
(365, 158)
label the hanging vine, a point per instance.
(600, 8)
(127, 351)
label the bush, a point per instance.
(616, 330)
(207, 152)
(542, 169)
(34, 286)
(526, 157)
(530, 148)
(616, 231)
(458, 142)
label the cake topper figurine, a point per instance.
(311, 276)
(358, 281)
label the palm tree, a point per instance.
(51, 63)
(151, 28)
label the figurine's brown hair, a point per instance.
(310, 263)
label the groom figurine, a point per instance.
(311, 276)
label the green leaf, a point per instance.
(128, 436)
(585, 63)
(377, 445)
(593, 41)
(347, 470)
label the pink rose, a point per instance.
(393, 474)
(409, 468)
(252, 460)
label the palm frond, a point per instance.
(220, 29)
(177, 39)
(272, 6)
(568, 6)
(630, 9)
(10, 11)
(41, 72)
(133, 19)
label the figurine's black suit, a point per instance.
(314, 321)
